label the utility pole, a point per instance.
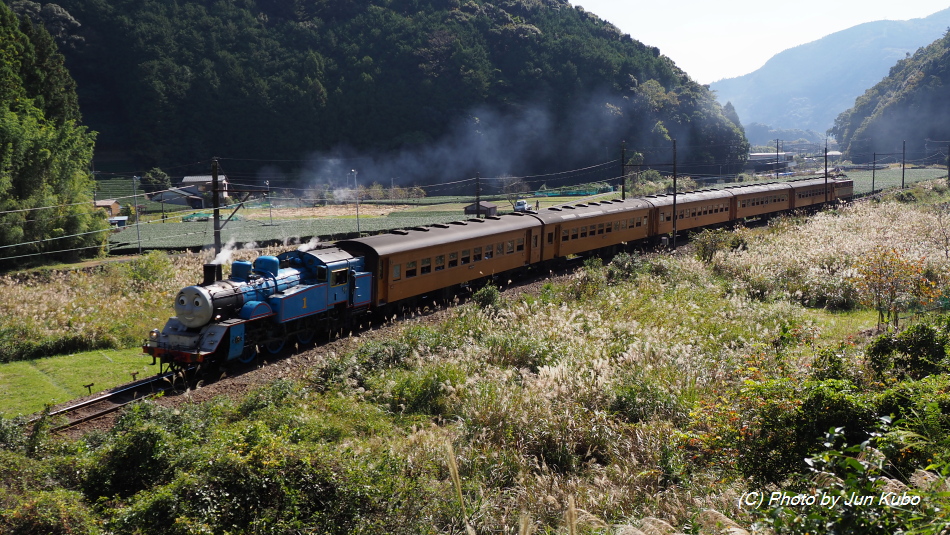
(948, 165)
(215, 205)
(135, 208)
(478, 195)
(623, 170)
(776, 159)
(873, 171)
(903, 162)
(826, 169)
(675, 217)
(357, 184)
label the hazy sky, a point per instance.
(716, 40)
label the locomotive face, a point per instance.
(193, 307)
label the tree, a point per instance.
(891, 283)
(155, 180)
(514, 189)
(45, 187)
(729, 112)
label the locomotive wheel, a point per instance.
(248, 355)
(305, 337)
(274, 347)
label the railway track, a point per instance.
(108, 402)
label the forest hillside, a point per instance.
(426, 89)
(908, 105)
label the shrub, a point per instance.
(623, 266)
(267, 396)
(49, 513)
(709, 242)
(428, 390)
(136, 460)
(854, 471)
(589, 280)
(153, 267)
(785, 422)
(915, 352)
(12, 437)
(488, 297)
(639, 399)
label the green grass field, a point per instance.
(891, 178)
(28, 386)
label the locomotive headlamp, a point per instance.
(153, 337)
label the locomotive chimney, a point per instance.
(212, 274)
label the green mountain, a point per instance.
(409, 89)
(909, 105)
(807, 86)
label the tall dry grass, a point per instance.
(112, 305)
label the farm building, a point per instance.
(111, 206)
(771, 162)
(190, 192)
(119, 221)
(487, 209)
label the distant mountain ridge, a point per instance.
(806, 87)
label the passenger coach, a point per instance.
(434, 260)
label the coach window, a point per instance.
(466, 256)
(453, 259)
(583, 232)
(511, 247)
(534, 241)
(565, 235)
(600, 228)
(397, 272)
(440, 262)
(338, 277)
(551, 238)
(426, 266)
(476, 254)
(574, 233)
(520, 246)
(615, 226)
(500, 249)
(623, 225)
(410, 269)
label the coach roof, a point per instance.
(439, 234)
(556, 214)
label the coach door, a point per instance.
(535, 244)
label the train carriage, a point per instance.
(761, 199)
(812, 192)
(843, 189)
(420, 261)
(584, 227)
(694, 209)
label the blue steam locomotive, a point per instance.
(261, 307)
